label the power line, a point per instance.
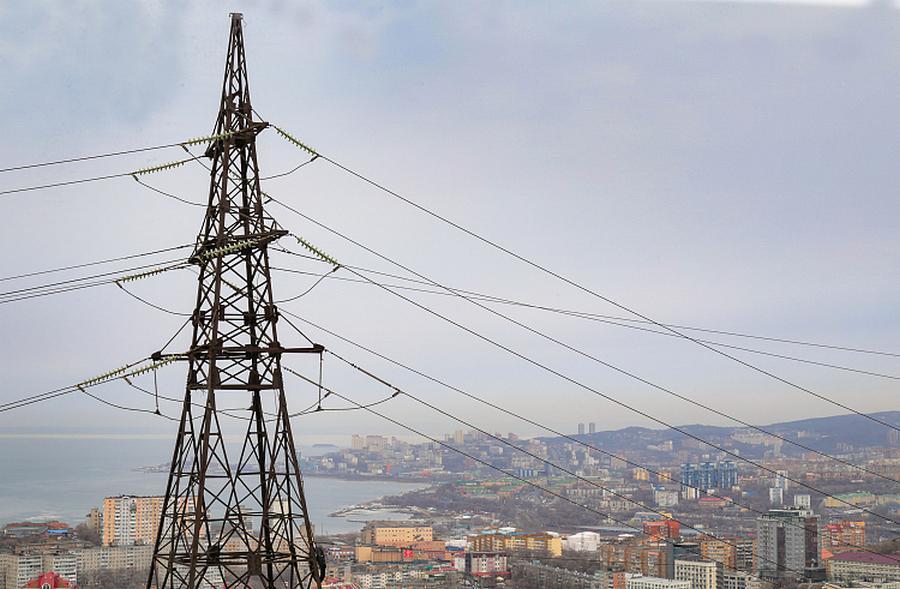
(148, 303)
(575, 314)
(292, 170)
(66, 183)
(445, 413)
(89, 157)
(631, 408)
(590, 291)
(500, 408)
(85, 278)
(547, 368)
(96, 179)
(666, 390)
(167, 194)
(74, 284)
(96, 262)
(125, 407)
(310, 289)
(610, 320)
(590, 315)
(37, 398)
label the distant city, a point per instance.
(626, 509)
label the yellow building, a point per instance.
(540, 542)
(859, 499)
(379, 535)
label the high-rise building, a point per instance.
(357, 442)
(131, 520)
(580, 429)
(94, 520)
(781, 479)
(788, 544)
(376, 443)
(592, 428)
(803, 501)
(744, 554)
(776, 496)
(723, 552)
(700, 573)
(710, 475)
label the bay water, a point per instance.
(62, 477)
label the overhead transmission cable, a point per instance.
(551, 370)
(660, 475)
(96, 262)
(120, 373)
(399, 391)
(91, 157)
(132, 173)
(619, 402)
(87, 281)
(641, 412)
(574, 314)
(581, 314)
(576, 284)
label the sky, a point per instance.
(728, 165)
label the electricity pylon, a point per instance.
(242, 524)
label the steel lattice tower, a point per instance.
(242, 524)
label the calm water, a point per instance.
(64, 478)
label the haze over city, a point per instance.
(714, 164)
(422, 295)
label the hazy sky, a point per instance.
(724, 164)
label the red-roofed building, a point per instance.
(49, 580)
(663, 529)
(863, 566)
(844, 535)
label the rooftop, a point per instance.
(868, 557)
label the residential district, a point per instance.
(632, 509)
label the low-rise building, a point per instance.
(738, 580)
(551, 576)
(376, 534)
(582, 542)
(701, 574)
(539, 543)
(847, 567)
(482, 564)
(638, 582)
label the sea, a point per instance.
(61, 477)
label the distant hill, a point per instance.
(827, 434)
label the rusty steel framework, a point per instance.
(242, 524)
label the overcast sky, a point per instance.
(730, 165)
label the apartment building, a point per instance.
(543, 543)
(701, 574)
(394, 535)
(638, 582)
(129, 520)
(862, 566)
